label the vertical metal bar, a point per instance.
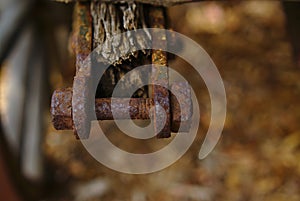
(160, 77)
(82, 44)
(82, 32)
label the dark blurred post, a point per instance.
(292, 13)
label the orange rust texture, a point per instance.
(160, 78)
(81, 40)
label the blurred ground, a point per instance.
(258, 156)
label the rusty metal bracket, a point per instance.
(70, 108)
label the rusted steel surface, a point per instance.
(81, 107)
(82, 45)
(159, 74)
(61, 109)
(153, 2)
(139, 108)
(81, 41)
(182, 107)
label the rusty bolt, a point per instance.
(139, 108)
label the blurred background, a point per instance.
(254, 44)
